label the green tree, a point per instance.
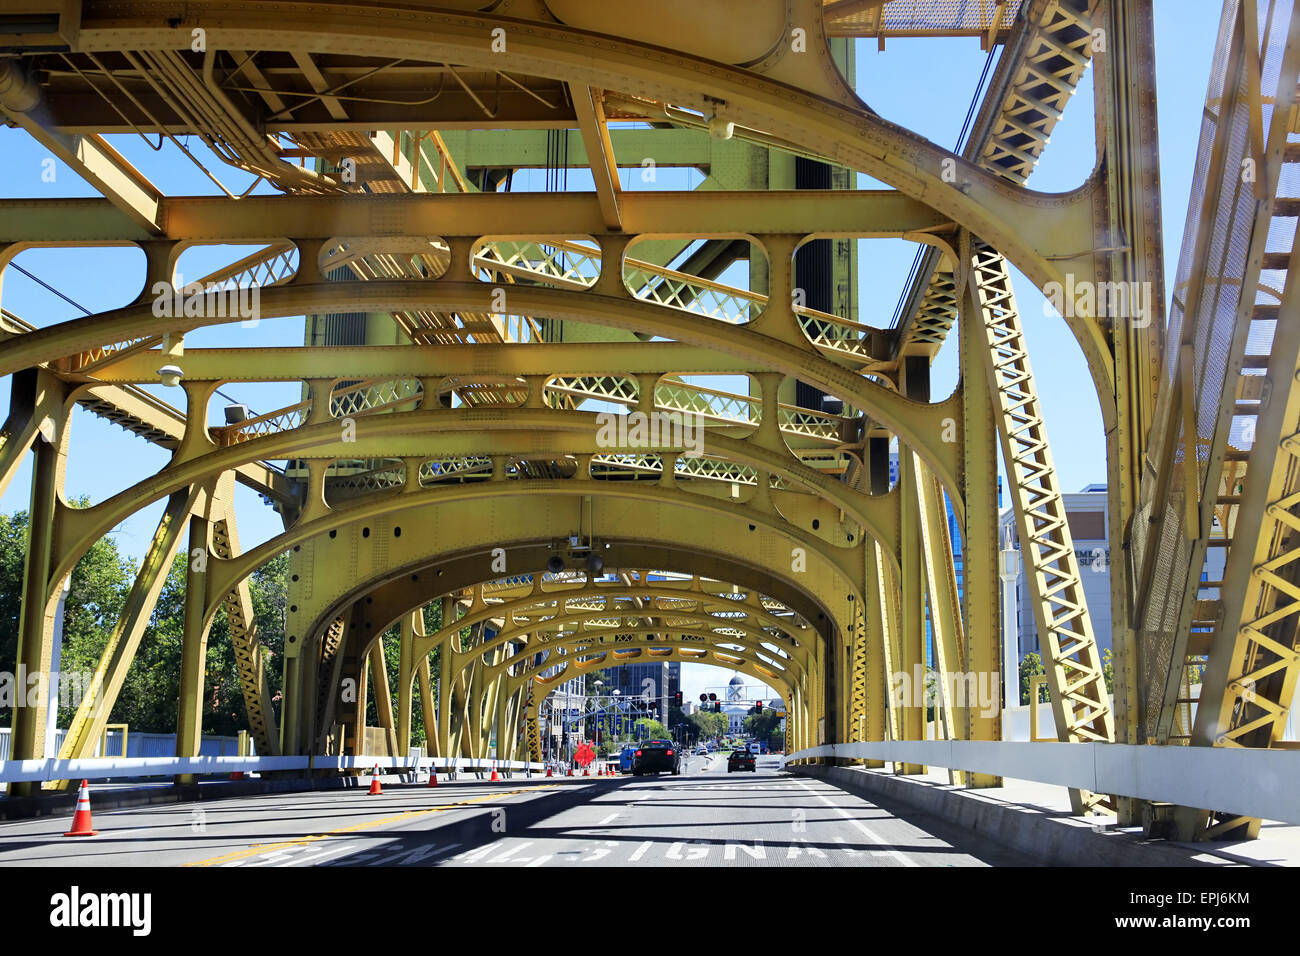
(97, 590)
(764, 726)
(647, 729)
(708, 724)
(1031, 665)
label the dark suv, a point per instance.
(741, 760)
(656, 756)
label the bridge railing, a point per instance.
(1253, 783)
(101, 768)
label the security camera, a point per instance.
(170, 375)
(595, 563)
(555, 564)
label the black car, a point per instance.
(656, 756)
(741, 760)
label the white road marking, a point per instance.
(512, 851)
(802, 846)
(315, 856)
(609, 819)
(845, 847)
(640, 851)
(756, 851)
(420, 853)
(471, 856)
(868, 833)
(540, 861)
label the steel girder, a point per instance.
(776, 97)
(773, 341)
(462, 667)
(783, 97)
(1078, 690)
(540, 610)
(1226, 431)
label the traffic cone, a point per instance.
(374, 782)
(81, 819)
(495, 775)
(570, 771)
(586, 771)
(433, 775)
(548, 770)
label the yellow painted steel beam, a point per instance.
(956, 695)
(920, 424)
(981, 607)
(90, 156)
(828, 123)
(584, 652)
(588, 105)
(446, 433)
(331, 586)
(1080, 703)
(431, 362)
(254, 219)
(1125, 100)
(194, 648)
(36, 613)
(245, 640)
(87, 725)
(650, 599)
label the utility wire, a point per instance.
(45, 285)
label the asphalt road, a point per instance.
(703, 817)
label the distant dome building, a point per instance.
(735, 687)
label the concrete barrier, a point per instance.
(1055, 839)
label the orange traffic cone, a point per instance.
(374, 782)
(548, 770)
(570, 773)
(586, 771)
(494, 776)
(433, 775)
(81, 819)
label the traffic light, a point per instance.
(677, 698)
(717, 707)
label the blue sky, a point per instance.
(924, 85)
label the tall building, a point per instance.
(659, 680)
(1085, 513)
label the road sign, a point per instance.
(584, 755)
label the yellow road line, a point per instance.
(259, 849)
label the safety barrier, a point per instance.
(100, 768)
(138, 744)
(1207, 777)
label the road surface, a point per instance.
(703, 817)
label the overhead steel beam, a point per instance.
(89, 155)
(384, 361)
(600, 152)
(209, 219)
